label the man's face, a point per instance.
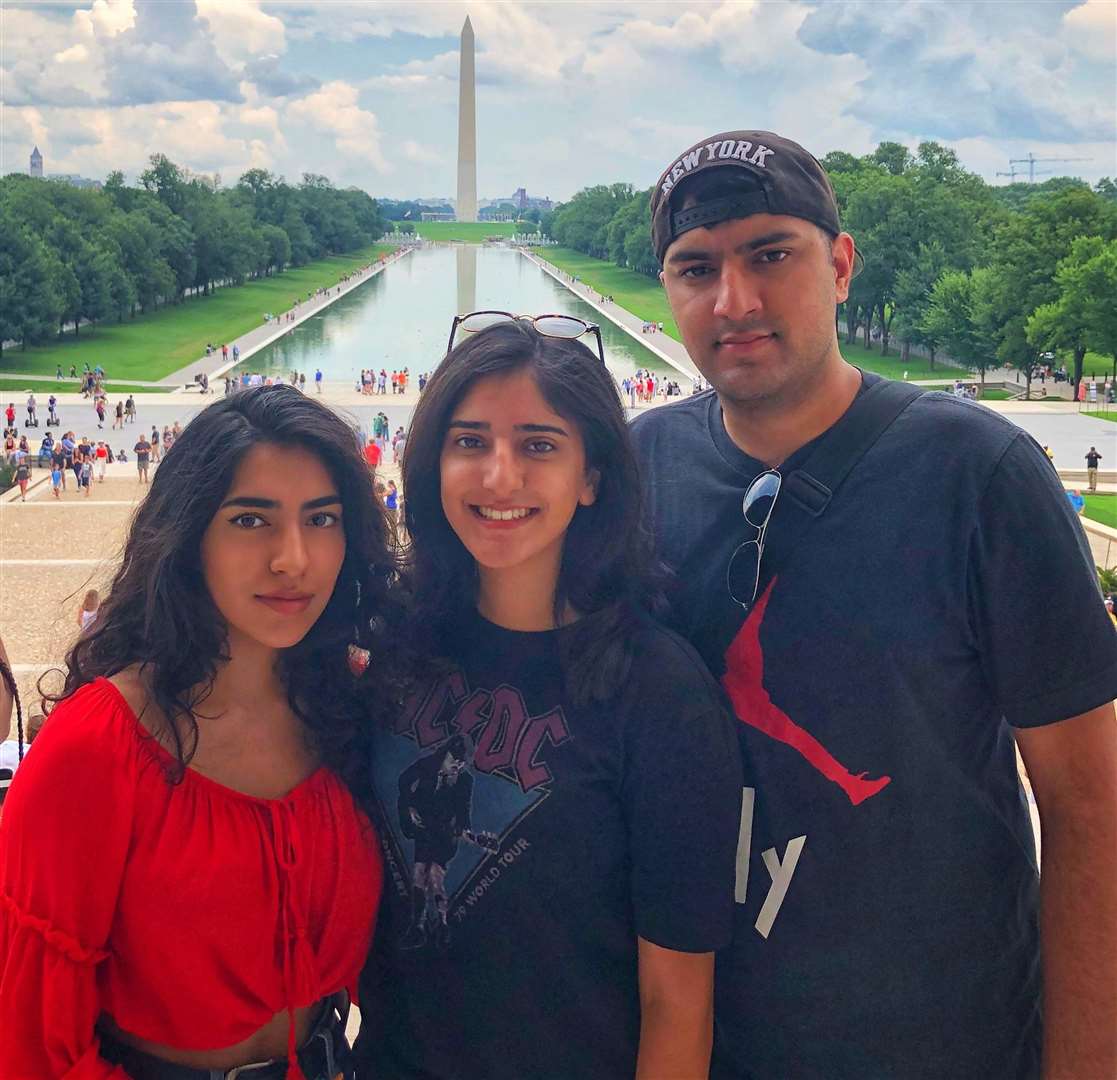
(754, 299)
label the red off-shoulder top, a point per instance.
(191, 913)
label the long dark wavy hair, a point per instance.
(159, 614)
(606, 573)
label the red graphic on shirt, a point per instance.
(744, 682)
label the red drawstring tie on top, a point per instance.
(298, 959)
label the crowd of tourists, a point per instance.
(383, 382)
(644, 387)
(546, 809)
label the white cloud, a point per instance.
(568, 94)
(105, 18)
(241, 30)
(1091, 28)
(421, 154)
(334, 109)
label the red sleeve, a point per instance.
(64, 837)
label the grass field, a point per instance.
(1110, 416)
(634, 292)
(1101, 508)
(13, 384)
(645, 298)
(151, 346)
(469, 231)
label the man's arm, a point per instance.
(1073, 770)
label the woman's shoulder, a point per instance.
(95, 723)
(666, 664)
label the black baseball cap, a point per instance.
(783, 178)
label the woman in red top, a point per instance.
(186, 883)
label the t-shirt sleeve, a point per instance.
(64, 835)
(1046, 643)
(682, 797)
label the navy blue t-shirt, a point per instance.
(528, 842)
(887, 889)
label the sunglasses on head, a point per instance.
(556, 326)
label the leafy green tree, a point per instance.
(912, 295)
(1026, 251)
(29, 305)
(893, 157)
(1082, 315)
(954, 318)
(167, 181)
(629, 235)
(583, 222)
(838, 161)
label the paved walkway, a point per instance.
(663, 345)
(215, 366)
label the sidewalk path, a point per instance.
(664, 346)
(252, 342)
(66, 378)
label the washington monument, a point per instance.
(467, 131)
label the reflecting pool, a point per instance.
(401, 317)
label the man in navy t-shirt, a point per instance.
(883, 672)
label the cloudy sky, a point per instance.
(568, 94)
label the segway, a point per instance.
(32, 420)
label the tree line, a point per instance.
(990, 276)
(71, 257)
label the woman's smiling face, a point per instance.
(513, 474)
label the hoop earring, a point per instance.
(357, 657)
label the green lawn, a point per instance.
(1101, 508)
(634, 292)
(151, 346)
(14, 384)
(1110, 416)
(892, 367)
(645, 298)
(469, 231)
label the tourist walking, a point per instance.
(887, 884)
(318, 380)
(1092, 459)
(118, 417)
(101, 454)
(568, 775)
(99, 407)
(87, 613)
(155, 444)
(189, 886)
(130, 409)
(23, 476)
(142, 450)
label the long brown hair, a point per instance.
(159, 614)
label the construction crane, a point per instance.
(1031, 161)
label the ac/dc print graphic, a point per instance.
(744, 682)
(470, 766)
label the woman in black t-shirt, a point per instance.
(558, 806)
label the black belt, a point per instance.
(324, 1056)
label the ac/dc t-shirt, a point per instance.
(887, 889)
(527, 843)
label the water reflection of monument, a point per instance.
(467, 278)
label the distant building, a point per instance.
(77, 181)
(36, 163)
